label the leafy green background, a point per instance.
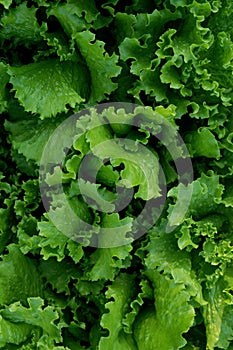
(163, 291)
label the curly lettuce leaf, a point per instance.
(54, 243)
(101, 65)
(57, 40)
(102, 197)
(141, 167)
(27, 235)
(5, 225)
(67, 16)
(146, 294)
(203, 143)
(206, 196)
(226, 333)
(13, 333)
(124, 23)
(89, 11)
(75, 17)
(122, 290)
(20, 24)
(58, 275)
(35, 315)
(108, 262)
(151, 24)
(162, 326)
(213, 313)
(6, 212)
(47, 87)
(165, 256)
(19, 277)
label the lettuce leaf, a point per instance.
(34, 315)
(20, 24)
(64, 83)
(19, 277)
(170, 288)
(121, 291)
(29, 136)
(162, 325)
(101, 65)
(13, 333)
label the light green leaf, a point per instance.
(19, 277)
(20, 23)
(122, 290)
(114, 231)
(102, 197)
(47, 343)
(141, 167)
(75, 251)
(6, 3)
(53, 242)
(46, 87)
(34, 315)
(226, 334)
(165, 256)
(162, 327)
(213, 313)
(120, 120)
(102, 67)
(206, 196)
(108, 262)
(217, 253)
(146, 293)
(203, 143)
(13, 333)
(185, 239)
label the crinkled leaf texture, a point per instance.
(13, 333)
(102, 67)
(121, 291)
(54, 243)
(29, 136)
(161, 326)
(108, 261)
(47, 87)
(20, 24)
(165, 256)
(33, 325)
(217, 312)
(35, 316)
(58, 57)
(19, 278)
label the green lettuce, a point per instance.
(123, 240)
